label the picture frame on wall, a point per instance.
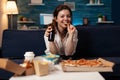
(71, 5)
(36, 1)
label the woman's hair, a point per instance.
(60, 8)
(56, 12)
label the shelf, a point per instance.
(95, 4)
(35, 4)
(25, 22)
(105, 22)
(61, 0)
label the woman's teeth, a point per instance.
(65, 23)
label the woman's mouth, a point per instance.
(66, 23)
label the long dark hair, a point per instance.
(55, 14)
(61, 7)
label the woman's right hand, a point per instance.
(71, 29)
(48, 30)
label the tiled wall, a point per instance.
(81, 10)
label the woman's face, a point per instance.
(63, 19)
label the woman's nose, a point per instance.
(66, 18)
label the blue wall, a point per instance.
(81, 10)
(116, 11)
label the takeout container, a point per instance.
(41, 67)
(51, 57)
(29, 71)
(28, 63)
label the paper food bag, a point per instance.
(41, 67)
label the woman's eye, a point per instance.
(62, 16)
(68, 16)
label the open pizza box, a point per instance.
(11, 66)
(75, 65)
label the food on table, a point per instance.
(88, 63)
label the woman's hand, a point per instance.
(71, 29)
(48, 30)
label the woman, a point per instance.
(65, 40)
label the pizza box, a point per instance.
(11, 66)
(86, 69)
(74, 65)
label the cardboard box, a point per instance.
(29, 68)
(84, 65)
(29, 71)
(11, 66)
(86, 69)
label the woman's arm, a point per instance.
(53, 48)
(71, 42)
(50, 45)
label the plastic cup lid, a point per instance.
(29, 53)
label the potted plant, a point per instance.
(20, 18)
(100, 17)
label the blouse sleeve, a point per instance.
(75, 40)
(46, 44)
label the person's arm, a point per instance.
(50, 45)
(71, 42)
(53, 48)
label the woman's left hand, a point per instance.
(71, 29)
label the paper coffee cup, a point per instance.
(29, 56)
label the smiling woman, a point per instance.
(64, 40)
(3, 18)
